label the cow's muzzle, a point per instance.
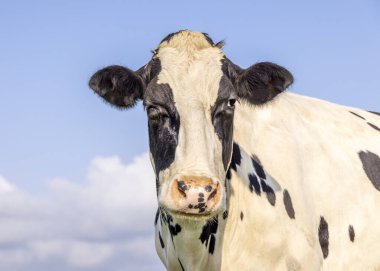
(195, 195)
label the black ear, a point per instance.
(261, 82)
(118, 85)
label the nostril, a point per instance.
(182, 187)
(208, 188)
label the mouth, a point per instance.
(178, 214)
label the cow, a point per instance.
(248, 175)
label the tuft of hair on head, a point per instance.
(220, 44)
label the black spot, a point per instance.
(208, 188)
(373, 126)
(228, 174)
(357, 115)
(190, 206)
(241, 216)
(288, 204)
(271, 196)
(254, 184)
(259, 169)
(236, 157)
(208, 232)
(201, 199)
(174, 229)
(371, 166)
(351, 233)
(323, 233)
(157, 215)
(201, 205)
(222, 118)
(161, 241)
(212, 244)
(225, 214)
(373, 112)
(201, 195)
(202, 209)
(182, 268)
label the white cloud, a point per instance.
(105, 223)
(5, 186)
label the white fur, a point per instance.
(306, 146)
(310, 147)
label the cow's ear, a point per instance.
(261, 82)
(118, 85)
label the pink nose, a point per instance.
(195, 195)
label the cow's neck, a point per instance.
(252, 196)
(184, 244)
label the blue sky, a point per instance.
(53, 127)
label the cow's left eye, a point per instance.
(231, 103)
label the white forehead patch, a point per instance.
(192, 68)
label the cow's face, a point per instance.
(189, 90)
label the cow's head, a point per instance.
(189, 90)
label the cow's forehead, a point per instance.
(191, 66)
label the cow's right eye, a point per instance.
(156, 113)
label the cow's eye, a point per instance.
(156, 113)
(231, 103)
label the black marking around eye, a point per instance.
(222, 119)
(288, 205)
(207, 236)
(323, 233)
(351, 233)
(163, 133)
(271, 196)
(371, 165)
